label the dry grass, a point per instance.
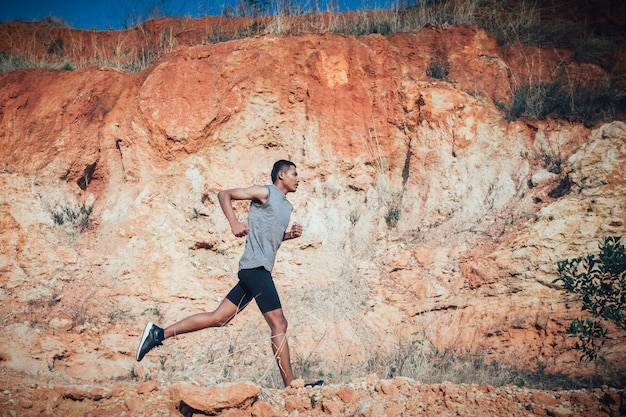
(562, 98)
(331, 340)
(243, 353)
(53, 46)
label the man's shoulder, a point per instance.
(259, 193)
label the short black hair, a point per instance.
(281, 165)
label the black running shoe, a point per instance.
(152, 336)
(315, 384)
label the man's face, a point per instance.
(290, 179)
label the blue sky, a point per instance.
(102, 15)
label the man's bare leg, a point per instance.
(217, 318)
(278, 326)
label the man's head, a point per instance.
(282, 165)
(285, 176)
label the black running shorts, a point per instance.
(255, 284)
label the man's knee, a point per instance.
(277, 322)
(224, 313)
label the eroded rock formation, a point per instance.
(428, 217)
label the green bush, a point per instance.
(79, 218)
(600, 282)
(392, 217)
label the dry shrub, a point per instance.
(587, 103)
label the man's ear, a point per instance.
(281, 174)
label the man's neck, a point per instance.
(281, 188)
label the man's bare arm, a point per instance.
(225, 197)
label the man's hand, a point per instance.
(296, 231)
(239, 229)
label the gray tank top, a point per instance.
(267, 224)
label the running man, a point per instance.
(265, 230)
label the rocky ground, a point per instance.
(368, 397)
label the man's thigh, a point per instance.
(258, 283)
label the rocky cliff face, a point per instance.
(429, 219)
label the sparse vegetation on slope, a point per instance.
(564, 99)
(55, 46)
